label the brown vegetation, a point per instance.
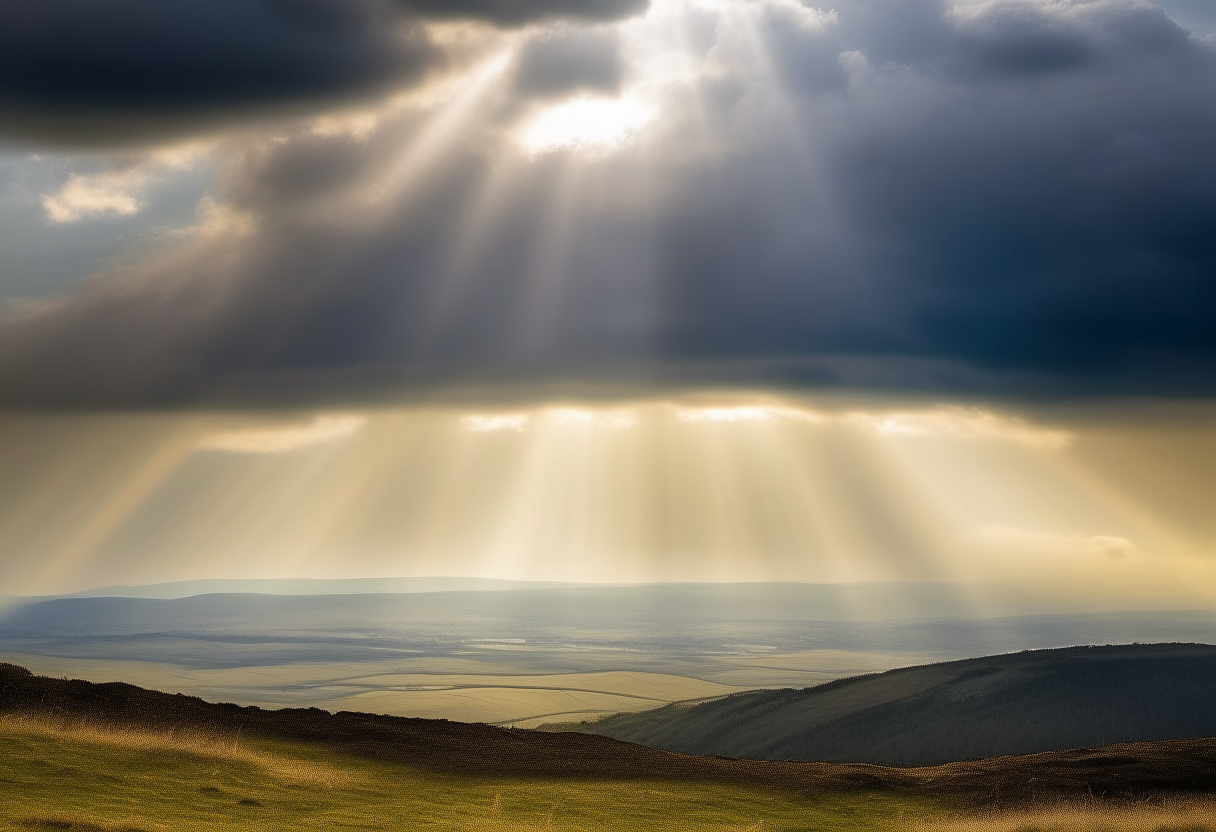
(1187, 814)
(1125, 773)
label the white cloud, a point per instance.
(968, 423)
(286, 438)
(607, 419)
(492, 423)
(1026, 541)
(615, 419)
(85, 196)
(116, 192)
(951, 422)
(726, 414)
(961, 423)
(748, 413)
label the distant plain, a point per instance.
(526, 654)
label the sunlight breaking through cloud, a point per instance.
(494, 423)
(748, 413)
(946, 421)
(710, 487)
(592, 124)
(736, 226)
(962, 423)
(610, 419)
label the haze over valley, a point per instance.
(511, 653)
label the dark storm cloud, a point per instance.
(1014, 198)
(1031, 198)
(514, 12)
(81, 71)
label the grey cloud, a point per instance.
(82, 72)
(1033, 227)
(569, 60)
(515, 12)
(324, 303)
(1018, 37)
(918, 215)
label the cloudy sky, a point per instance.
(394, 287)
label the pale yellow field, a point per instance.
(487, 686)
(449, 691)
(518, 706)
(656, 686)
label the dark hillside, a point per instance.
(1022, 703)
(1127, 772)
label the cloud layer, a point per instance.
(1009, 197)
(82, 72)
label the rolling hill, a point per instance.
(73, 708)
(1021, 703)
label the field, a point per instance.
(93, 778)
(527, 655)
(500, 684)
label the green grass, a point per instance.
(100, 780)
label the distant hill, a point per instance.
(890, 617)
(700, 601)
(1022, 703)
(1135, 771)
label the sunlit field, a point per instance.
(95, 778)
(1179, 815)
(473, 689)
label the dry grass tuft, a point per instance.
(1176, 815)
(213, 744)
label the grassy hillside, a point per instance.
(137, 780)
(104, 758)
(1014, 704)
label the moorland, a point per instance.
(114, 756)
(1018, 703)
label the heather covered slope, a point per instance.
(1123, 772)
(1022, 703)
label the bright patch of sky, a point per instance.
(65, 216)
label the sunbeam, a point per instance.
(694, 489)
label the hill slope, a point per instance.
(1130, 771)
(1022, 703)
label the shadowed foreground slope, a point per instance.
(1022, 703)
(1126, 771)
